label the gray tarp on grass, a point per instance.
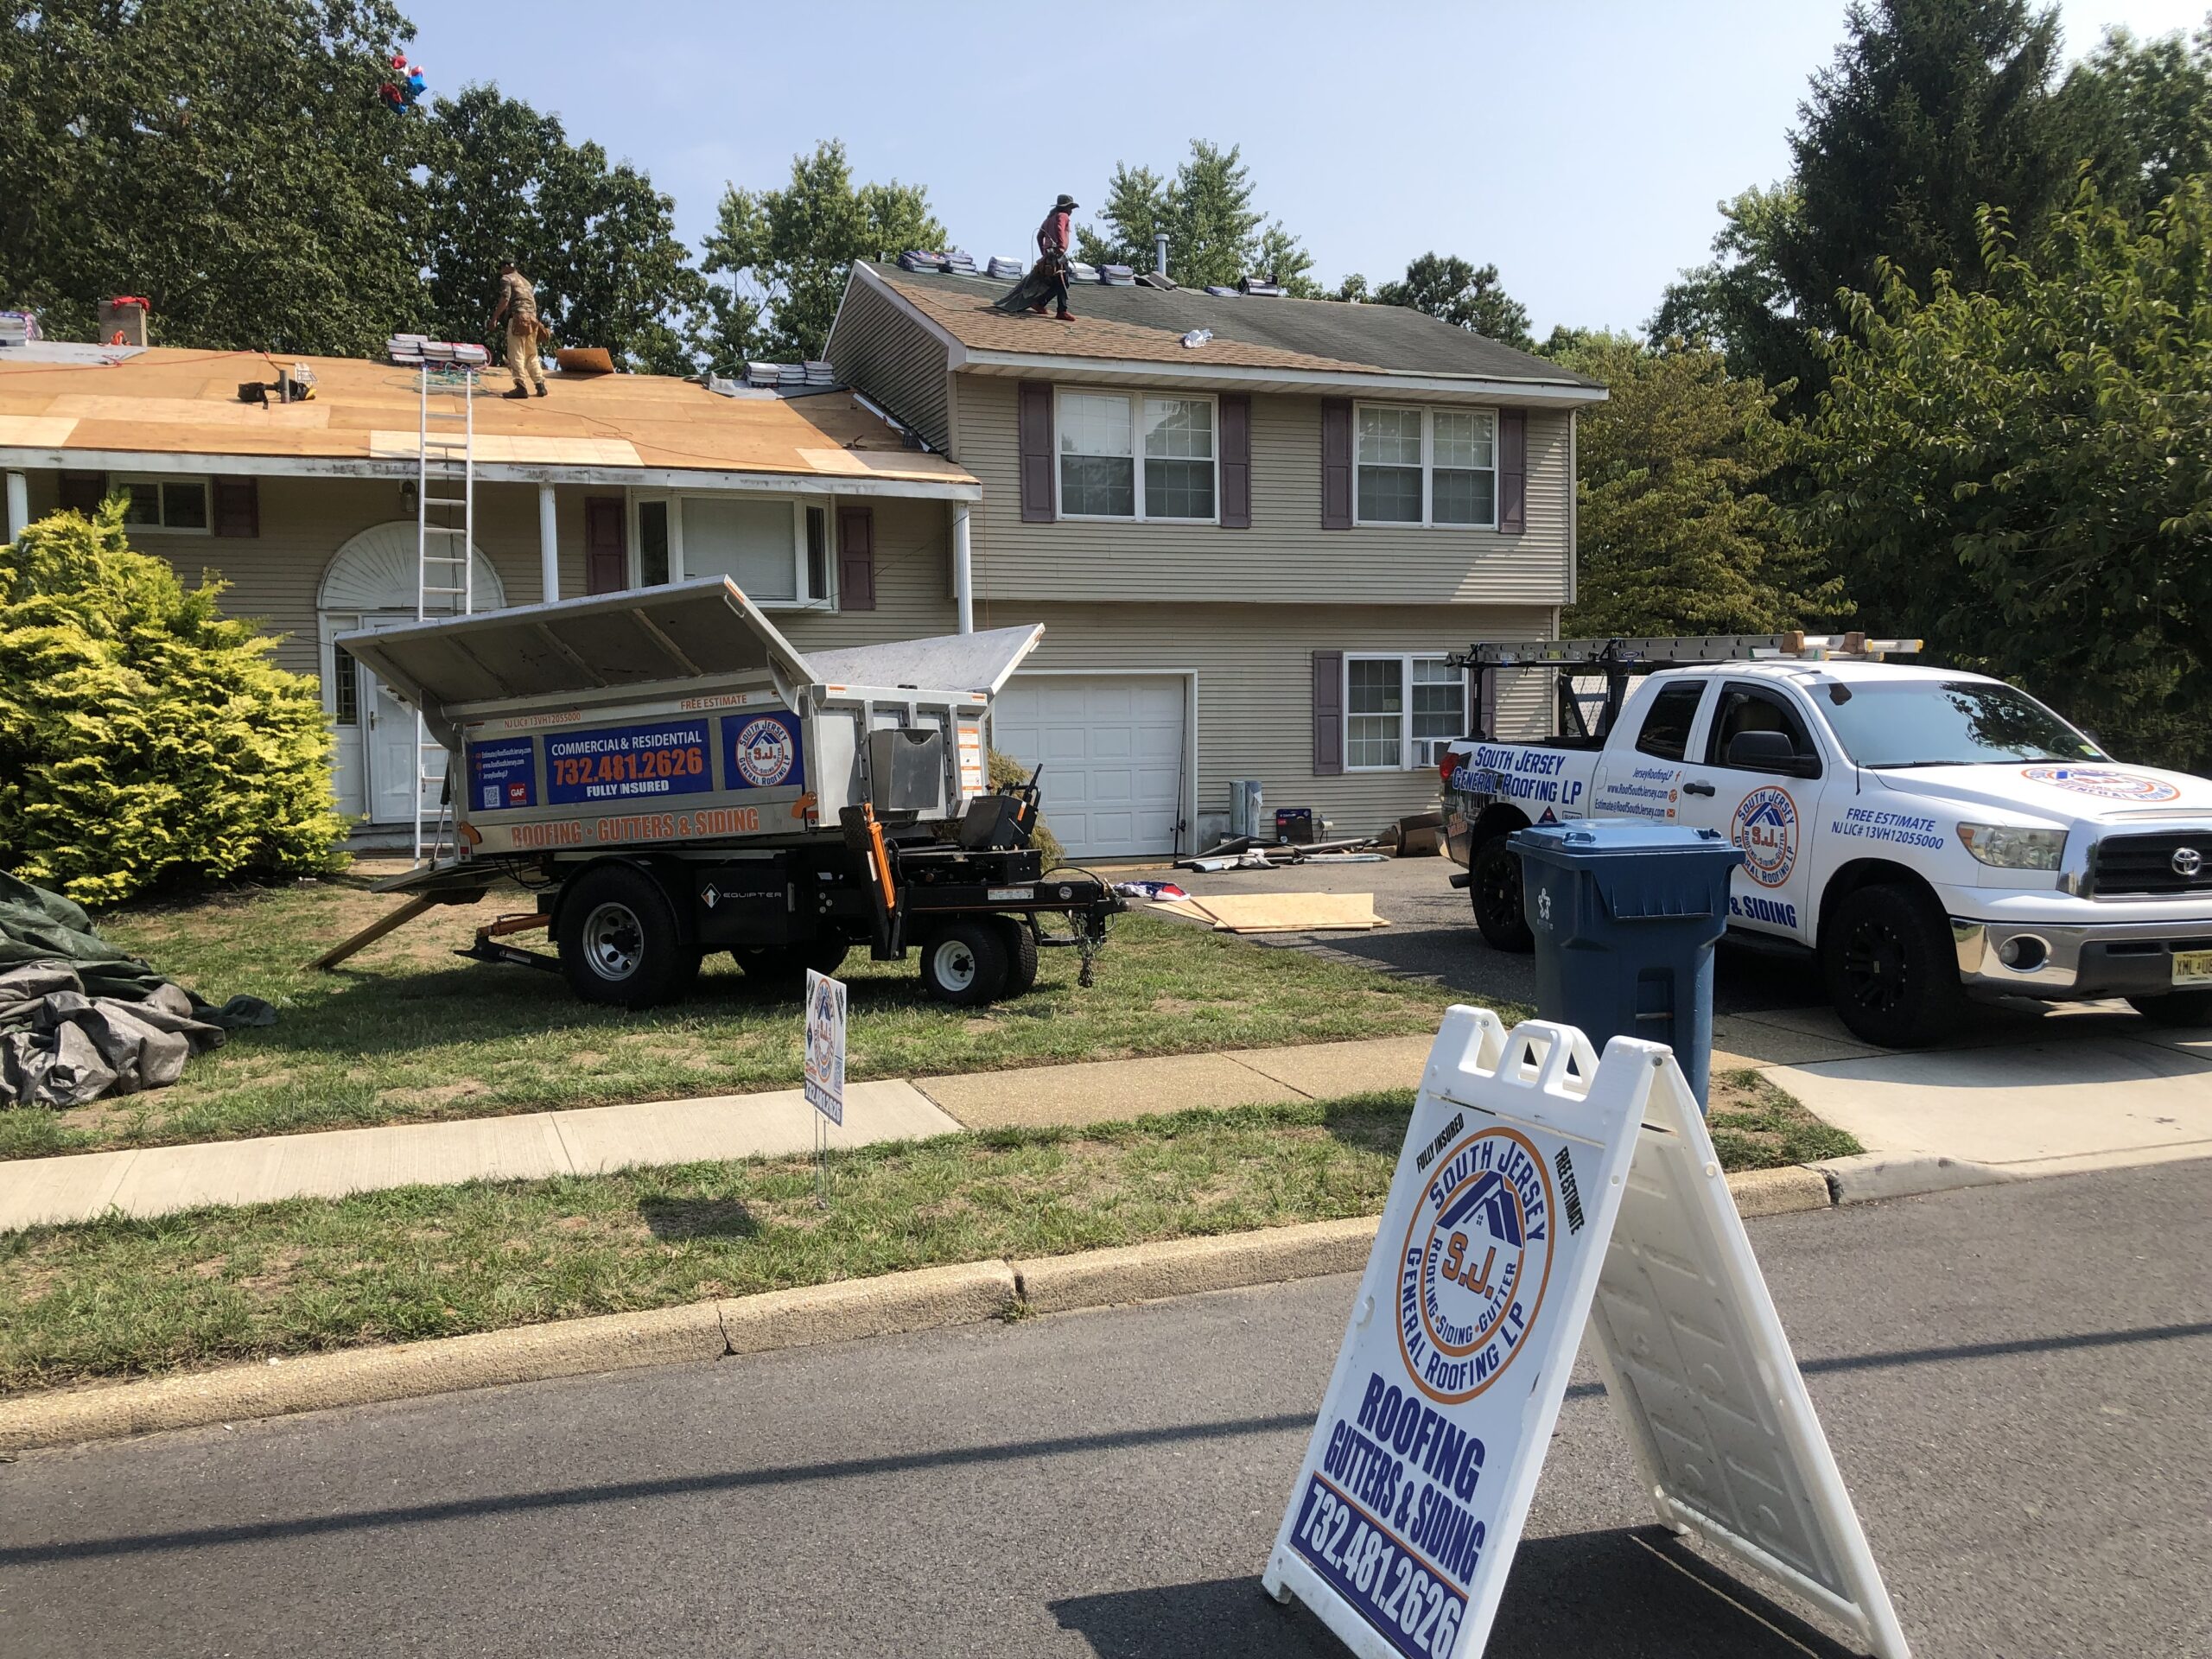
(80, 1019)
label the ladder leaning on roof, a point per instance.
(445, 539)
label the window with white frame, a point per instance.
(1105, 435)
(776, 548)
(1400, 710)
(176, 504)
(1434, 466)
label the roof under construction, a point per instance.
(153, 408)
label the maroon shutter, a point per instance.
(607, 553)
(81, 492)
(1034, 422)
(1235, 461)
(1336, 463)
(238, 506)
(856, 558)
(1328, 713)
(1512, 470)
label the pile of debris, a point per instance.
(1250, 853)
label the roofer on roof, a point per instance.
(518, 305)
(1048, 277)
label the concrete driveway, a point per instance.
(2020, 1088)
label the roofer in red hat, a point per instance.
(1047, 280)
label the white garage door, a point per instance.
(1112, 749)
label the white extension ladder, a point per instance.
(445, 582)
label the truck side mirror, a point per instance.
(1768, 751)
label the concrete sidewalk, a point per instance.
(159, 1181)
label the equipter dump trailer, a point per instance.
(671, 776)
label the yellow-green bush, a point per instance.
(145, 736)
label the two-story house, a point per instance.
(1253, 526)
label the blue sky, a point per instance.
(1581, 147)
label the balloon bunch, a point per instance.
(406, 85)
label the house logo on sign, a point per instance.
(1766, 828)
(824, 1063)
(1477, 1258)
(766, 752)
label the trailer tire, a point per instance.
(1021, 957)
(779, 964)
(964, 962)
(1891, 971)
(620, 946)
(1494, 883)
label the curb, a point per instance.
(922, 1299)
(1872, 1175)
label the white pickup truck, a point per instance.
(1929, 834)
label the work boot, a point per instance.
(541, 388)
(1066, 315)
(1039, 309)
(519, 391)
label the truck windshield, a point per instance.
(1932, 723)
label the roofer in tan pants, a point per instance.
(518, 305)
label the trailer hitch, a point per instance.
(487, 947)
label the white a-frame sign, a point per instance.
(1541, 1192)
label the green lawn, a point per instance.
(123, 1297)
(405, 1032)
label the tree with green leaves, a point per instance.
(228, 160)
(1215, 235)
(1454, 290)
(1678, 528)
(787, 253)
(2140, 114)
(1740, 302)
(597, 240)
(2021, 472)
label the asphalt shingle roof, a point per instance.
(1249, 331)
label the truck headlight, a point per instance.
(2006, 846)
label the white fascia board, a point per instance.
(645, 478)
(1381, 385)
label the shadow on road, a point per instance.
(1630, 1594)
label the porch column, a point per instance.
(548, 543)
(19, 504)
(963, 587)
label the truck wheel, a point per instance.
(787, 963)
(619, 943)
(964, 962)
(1892, 974)
(2175, 1007)
(1020, 956)
(1494, 881)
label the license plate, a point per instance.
(2193, 967)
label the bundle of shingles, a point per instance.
(1007, 270)
(1117, 276)
(1250, 853)
(917, 259)
(818, 373)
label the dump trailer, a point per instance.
(670, 776)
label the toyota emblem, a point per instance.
(2187, 862)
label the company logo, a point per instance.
(1766, 828)
(2187, 861)
(2102, 781)
(766, 752)
(1544, 905)
(1477, 1258)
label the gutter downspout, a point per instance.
(963, 583)
(548, 543)
(19, 504)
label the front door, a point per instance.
(388, 744)
(1769, 814)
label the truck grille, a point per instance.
(2158, 865)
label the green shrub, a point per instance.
(145, 737)
(1008, 773)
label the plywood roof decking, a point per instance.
(167, 402)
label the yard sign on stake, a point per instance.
(1533, 1181)
(825, 1069)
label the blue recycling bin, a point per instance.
(1626, 915)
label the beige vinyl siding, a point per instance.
(913, 583)
(1286, 556)
(1254, 666)
(881, 350)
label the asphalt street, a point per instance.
(2017, 1380)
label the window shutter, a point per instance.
(1512, 470)
(238, 506)
(607, 553)
(1236, 438)
(1034, 420)
(1328, 712)
(857, 556)
(1336, 463)
(81, 492)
